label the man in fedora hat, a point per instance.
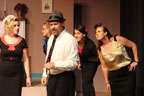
(61, 58)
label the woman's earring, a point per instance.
(104, 37)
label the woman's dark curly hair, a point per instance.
(22, 8)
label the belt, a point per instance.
(10, 59)
(63, 73)
(122, 69)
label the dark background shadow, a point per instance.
(132, 27)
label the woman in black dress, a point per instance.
(13, 49)
(88, 60)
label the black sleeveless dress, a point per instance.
(11, 67)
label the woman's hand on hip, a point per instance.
(133, 66)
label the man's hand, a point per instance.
(49, 65)
(79, 65)
(44, 80)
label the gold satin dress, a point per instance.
(116, 58)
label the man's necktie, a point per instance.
(51, 50)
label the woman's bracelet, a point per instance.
(107, 82)
(136, 61)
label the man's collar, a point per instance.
(61, 33)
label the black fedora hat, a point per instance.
(56, 16)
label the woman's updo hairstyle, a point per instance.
(9, 23)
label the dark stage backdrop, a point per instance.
(132, 27)
(77, 14)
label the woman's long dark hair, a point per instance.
(105, 29)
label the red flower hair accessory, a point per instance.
(86, 29)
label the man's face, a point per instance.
(56, 28)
